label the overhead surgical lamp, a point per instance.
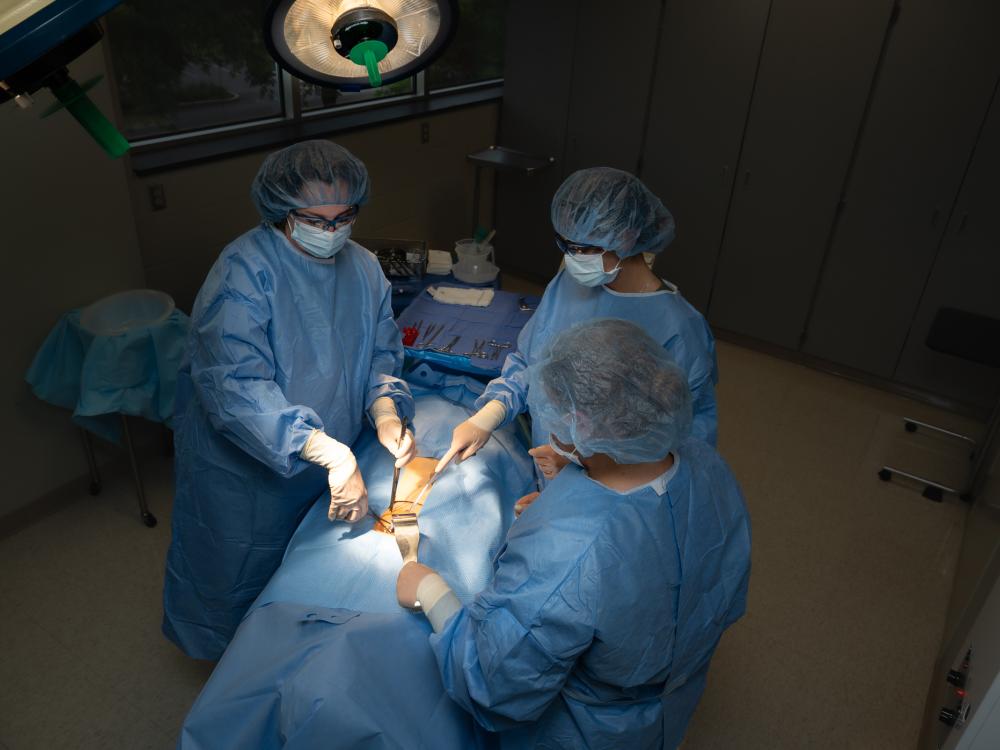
(38, 39)
(353, 45)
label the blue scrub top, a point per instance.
(605, 610)
(665, 315)
(281, 344)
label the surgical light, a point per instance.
(353, 45)
(38, 40)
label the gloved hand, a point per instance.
(547, 460)
(472, 434)
(348, 494)
(409, 579)
(524, 502)
(388, 426)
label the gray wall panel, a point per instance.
(533, 118)
(612, 67)
(701, 94)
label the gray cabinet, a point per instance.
(966, 275)
(815, 75)
(929, 102)
(707, 60)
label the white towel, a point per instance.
(450, 295)
(438, 262)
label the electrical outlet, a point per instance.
(157, 197)
(425, 132)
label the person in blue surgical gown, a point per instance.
(293, 345)
(604, 220)
(614, 586)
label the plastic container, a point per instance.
(475, 273)
(126, 311)
(476, 263)
(473, 251)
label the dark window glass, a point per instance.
(320, 97)
(184, 65)
(476, 51)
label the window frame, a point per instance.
(165, 152)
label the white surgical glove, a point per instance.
(549, 462)
(388, 426)
(473, 433)
(348, 495)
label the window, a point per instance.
(320, 97)
(190, 71)
(187, 65)
(476, 51)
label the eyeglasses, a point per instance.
(575, 248)
(329, 225)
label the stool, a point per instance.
(975, 338)
(116, 358)
(95, 477)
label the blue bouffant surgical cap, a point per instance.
(612, 209)
(606, 387)
(311, 173)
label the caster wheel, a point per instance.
(910, 427)
(885, 475)
(149, 519)
(95, 488)
(966, 497)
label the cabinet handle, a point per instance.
(961, 225)
(746, 179)
(935, 216)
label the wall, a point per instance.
(68, 239)
(976, 574)
(419, 190)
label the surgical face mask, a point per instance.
(319, 242)
(568, 455)
(588, 270)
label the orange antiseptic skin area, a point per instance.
(409, 499)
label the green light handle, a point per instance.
(374, 77)
(75, 99)
(369, 53)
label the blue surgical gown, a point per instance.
(665, 315)
(281, 344)
(605, 609)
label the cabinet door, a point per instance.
(929, 102)
(966, 275)
(706, 63)
(815, 74)
(538, 67)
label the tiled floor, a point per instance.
(850, 582)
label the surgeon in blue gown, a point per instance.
(292, 347)
(614, 586)
(604, 220)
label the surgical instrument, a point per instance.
(407, 535)
(450, 347)
(397, 469)
(428, 340)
